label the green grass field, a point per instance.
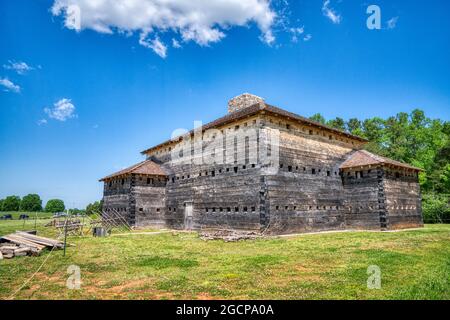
(414, 264)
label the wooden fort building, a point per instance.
(282, 173)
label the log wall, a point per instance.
(364, 199)
(306, 192)
(403, 200)
(117, 196)
(223, 195)
(149, 193)
(302, 191)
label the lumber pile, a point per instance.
(229, 235)
(52, 223)
(22, 244)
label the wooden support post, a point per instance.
(65, 236)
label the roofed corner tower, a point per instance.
(243, 101)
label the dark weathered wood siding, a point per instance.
(117, 196)
(403, 200)
(223, 195)
(303, 191)
(306, 192)
(149, 193)
(364, 198)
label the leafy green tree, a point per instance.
(411, 138)
(445, 179)
(11, 203)
(446, 128)
(1, 204)
(337, 123)
(373, 130)
(438, 175)
(396, 136)
(76, 211)
(436, 208)
(31, 202)
(55, 205)
(318, 118)
(94, 208)
(354, 126)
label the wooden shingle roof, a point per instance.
(257, 108)
(146, 167)
(363, 158)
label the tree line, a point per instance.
(411, 138)
(33, 203)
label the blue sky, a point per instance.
(86, 102)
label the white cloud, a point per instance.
(392, 23)
(9, 86)
(299, 34)
(330, 13)
(296, 32)
(203, 22)
(42, 122)
(155, 44)
(61, 110)
(176, 44)
(202, 36)
(268, 37)
(19, 67)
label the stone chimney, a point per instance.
(243, 101)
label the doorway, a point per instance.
(188, 219)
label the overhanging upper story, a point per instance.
(248, 110)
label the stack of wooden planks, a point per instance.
(22, 244)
